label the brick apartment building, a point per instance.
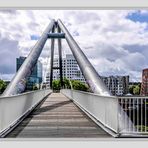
(144, 84)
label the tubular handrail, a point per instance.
(123, 115)
(99, 107)
(94, 94)
(133, 97)
(13, 109)
(22, 94)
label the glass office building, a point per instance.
(36, 76)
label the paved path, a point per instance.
(57, 117)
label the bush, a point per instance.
(56, 85)
(66, 83)
(35, 87)
(77, 85)
(2, 86)
(135, 89)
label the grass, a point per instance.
(142, 128)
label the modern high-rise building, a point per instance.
(118, 85)
(144, 84)
(70, 69)
(36, 76)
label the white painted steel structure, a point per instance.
(102, 108)
(123, 116)
(137, 110)
(114, 113)
(13, 108)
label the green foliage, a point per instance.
(135, 89)
(66, 83)
(35, 87)
(142, 128)
(56, 84)
(131, 89)
(77, 85)
(2, 86)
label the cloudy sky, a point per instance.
(115, 41)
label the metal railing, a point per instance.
(102, 108)
(126, 116)
(13, 108)
(136, 108)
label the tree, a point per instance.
(2, 86)
(136, 90)
(78, 85)
(56, 84)
(35, 87)
(131, 89)
(66, 83)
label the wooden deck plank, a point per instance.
(57, 117)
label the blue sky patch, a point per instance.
(34, 37)
(138, 17)
(75, 33)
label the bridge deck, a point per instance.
(56, 117)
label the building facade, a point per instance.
(70, 69)
(36, 76)
(144, 84)
(118, 85)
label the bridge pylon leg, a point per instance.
(18, 83)
(60, 58)
(90, 74)
(52, 58)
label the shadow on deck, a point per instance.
(57, 117)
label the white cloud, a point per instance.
(105, 36)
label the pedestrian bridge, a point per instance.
(57, 117)
(71, 114)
